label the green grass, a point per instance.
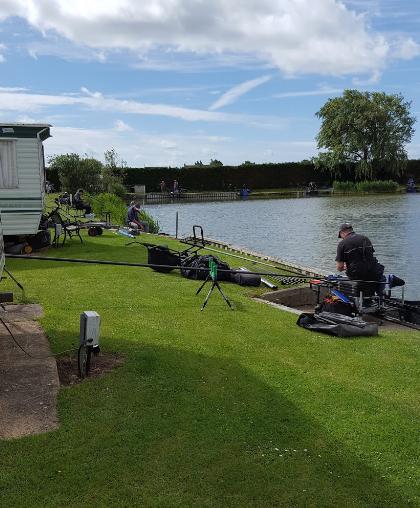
(217, 408)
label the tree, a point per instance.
(366, 132)
(75, 172)
(214, 163)
(113, 173)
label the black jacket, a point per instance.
(357, 252)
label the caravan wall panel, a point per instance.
(21, 207)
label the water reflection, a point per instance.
(305, 230)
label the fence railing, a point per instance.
(169, 197)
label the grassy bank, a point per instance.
(217, 408)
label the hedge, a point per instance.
(200, 178)
(254, 176)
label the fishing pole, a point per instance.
(180, 267)
(253, 261)
(142, 265)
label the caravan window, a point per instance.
(8, 170)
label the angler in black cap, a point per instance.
(355, 256)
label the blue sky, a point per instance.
(170, 82)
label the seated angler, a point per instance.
(79, 204)
(133, 218)
(355, 257)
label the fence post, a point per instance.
(176, 225)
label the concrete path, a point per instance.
(28, 384)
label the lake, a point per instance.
(305, 230)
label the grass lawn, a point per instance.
(216, 408)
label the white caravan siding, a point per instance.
(21, 207)
(2, 255)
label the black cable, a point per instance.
(26, 352)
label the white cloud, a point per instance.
(86, 91)
(27, 102)
(141, 149)
(370, 80)
(234, 93)
(405, 49)
(121, 126)
(297, 36)
(12, 89)
(308, 93)
(2, 49)
(137, 148)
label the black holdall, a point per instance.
(161, 255)
(40, 240)
(337, 324)
(246, 279)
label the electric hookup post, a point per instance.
(213, 276)
(89, 340)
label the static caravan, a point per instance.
(22, 177)
(2, 254)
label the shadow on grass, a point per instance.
(174, 428)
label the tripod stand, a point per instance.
(212, 275)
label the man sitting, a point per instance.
(355, 256)
(133, 218)
(79, 204)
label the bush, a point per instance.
(153, 224)
(376, 186)
(344, 187)
(118, 189)
(107, 202)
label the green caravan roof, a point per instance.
(25, 130)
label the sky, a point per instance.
(171, 82)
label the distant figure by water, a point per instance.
(244, 192)
(411, 185)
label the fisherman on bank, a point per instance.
(133, 218)
(355, 257)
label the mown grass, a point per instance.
(217, 408)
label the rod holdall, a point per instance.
(246, 279)
(161, 255)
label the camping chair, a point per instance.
(64, 226)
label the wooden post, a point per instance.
(176, 225)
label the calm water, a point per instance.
(305, 230)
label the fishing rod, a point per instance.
(180, 267)
(253, 261)
(142, 265)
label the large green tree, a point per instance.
(77, 172)
(366, 133)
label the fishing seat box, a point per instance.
(352, 288)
